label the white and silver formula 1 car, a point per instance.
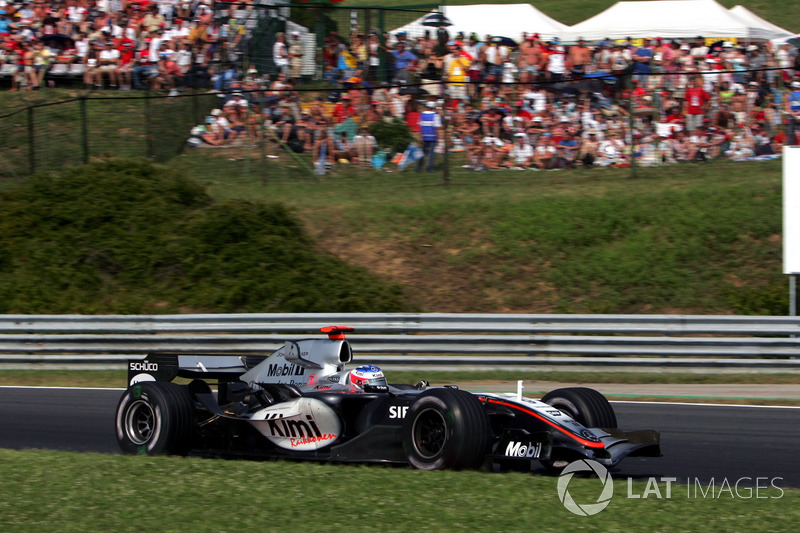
(301, 403)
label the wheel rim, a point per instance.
(140, 421)
(430, 433)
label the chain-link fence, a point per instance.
(54, 135)
(316, 34)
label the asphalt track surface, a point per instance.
(699, 442)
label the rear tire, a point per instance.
(445, 428)
(155, 418)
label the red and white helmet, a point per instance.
(367, 375)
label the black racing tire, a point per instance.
(445, 428)
(155, 418)
(585, 405)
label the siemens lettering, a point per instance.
(285, 370)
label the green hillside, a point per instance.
(131, 237)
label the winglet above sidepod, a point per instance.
(336, 332)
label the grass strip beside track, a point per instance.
(117, 378)
(94, 492)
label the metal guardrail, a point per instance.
(428, 339)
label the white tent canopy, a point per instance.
(670, 19)
(769, 30)
(507, 20)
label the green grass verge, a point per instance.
(117, 378)
(90, 492)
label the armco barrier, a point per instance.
(427, 339)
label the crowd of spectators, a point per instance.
(115, 44)
(544, 105)
(532, 104)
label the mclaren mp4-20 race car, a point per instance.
(301, 402)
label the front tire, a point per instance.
(155, 418)
(587, 406)
(445, 428)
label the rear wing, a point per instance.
(166, 366)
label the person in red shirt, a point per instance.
(127, 53)
(694, 104)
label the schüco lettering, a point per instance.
(278, 370)
(143, 367)
(517, 449)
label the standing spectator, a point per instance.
(529, 59)
(642, 58)
(280, 54)
(456, 67)
(555, 59)
(694, 105)
(579, 57)
(404, 62)
(792, 108)
(42, 57)
(295, 58)
(429, 124)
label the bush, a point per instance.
(132, 237)
(394, 134)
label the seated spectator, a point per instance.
(521, 153)
(567, 151)
(364, 145)
(588, 151)
(545, 152)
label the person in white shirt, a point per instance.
(280, 54)
(522, 152)
(109, 64)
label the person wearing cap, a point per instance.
(521, 154)
(555, 61)
(456, 65)
(529, 58)
(792, 110)
(108, 63)
(127, 57)
(429, 125)
(404, 62)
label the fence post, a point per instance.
(84, 129)
(31, 142)
(148, 130)
(631, 124)
(383, 59)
